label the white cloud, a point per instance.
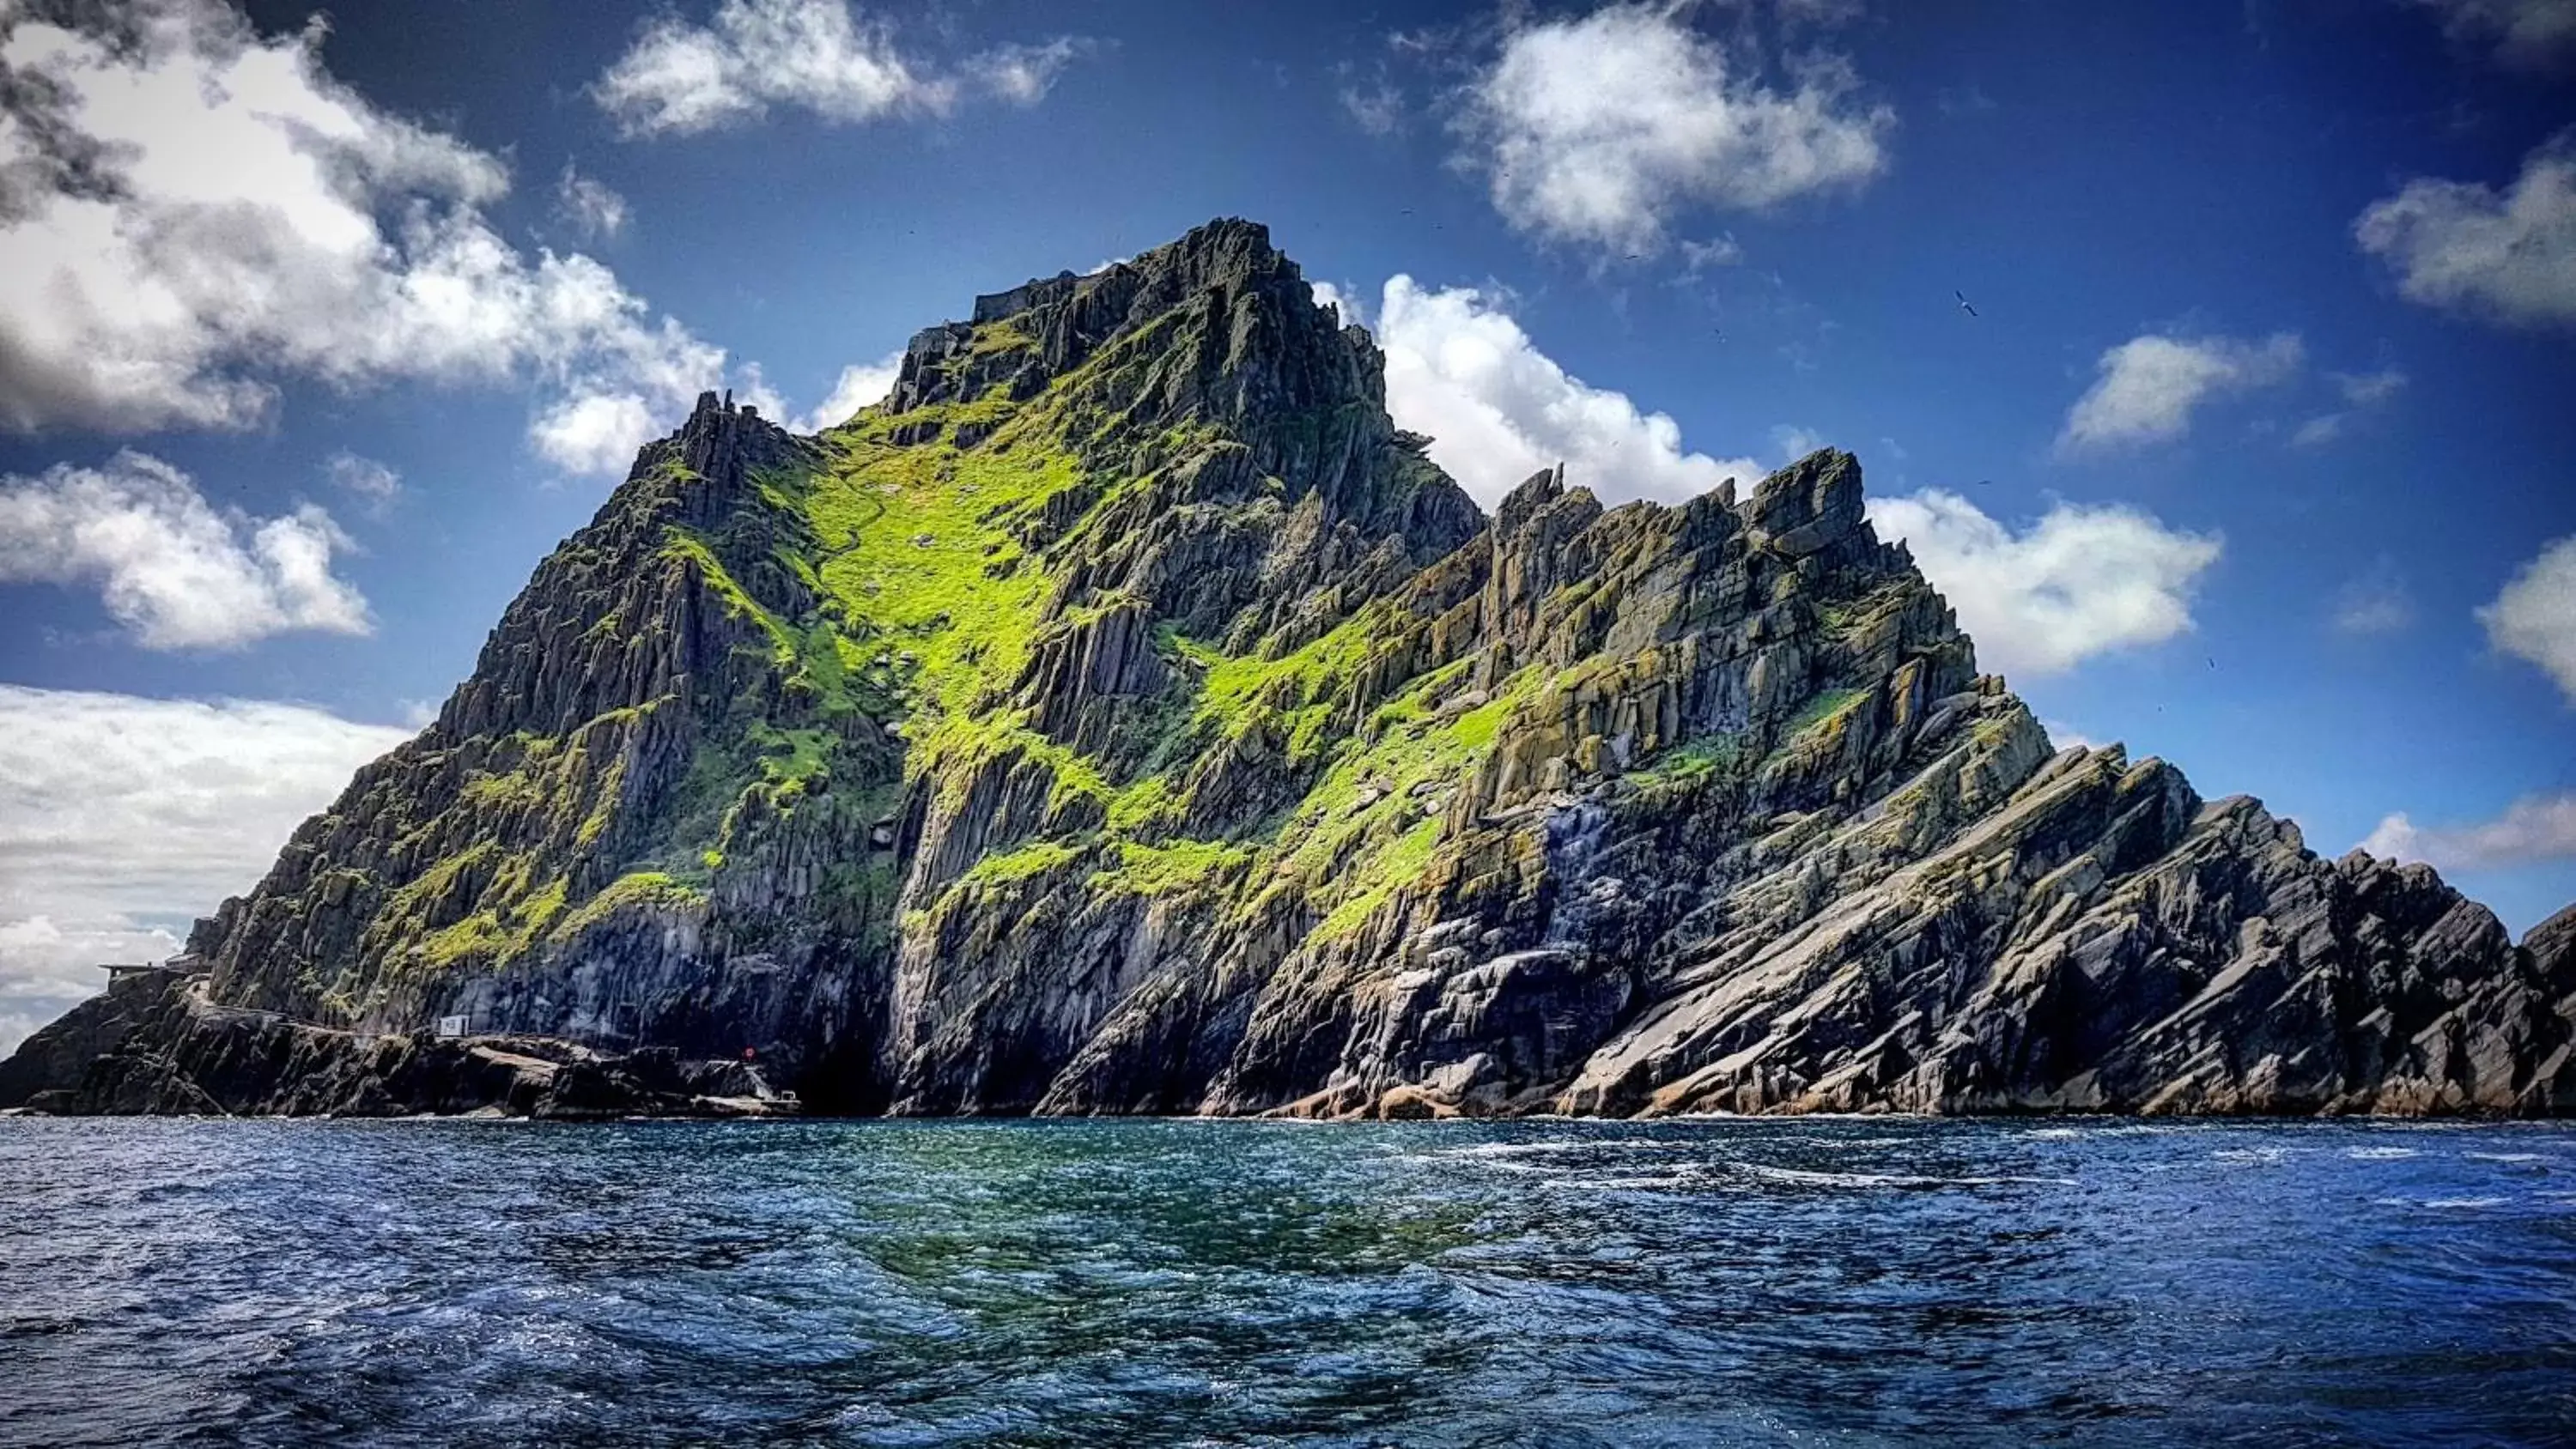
(192, 213)
(1459, 369)
(2068, 737)
(48, 967)
(2534, 617)
(2318, 431)
(2534, 828)
(2524, 32)
(2369, 389)
(594, 432)
(2460, 245)
(1821, 14)
(2377, 602)
(860, 384)
(1342, 298)
(1023, 74)
(2362, 391)
(1700, 256)
(757, 393)
(173, 570)
(595, 211)
(1795, 442)
(822, 56)
(2083, 580)
(122, 818)
(2150, 385)
(1377, 109)
(373, 484)
(1600, 129)
(2080, 582)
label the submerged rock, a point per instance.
(1126, 717)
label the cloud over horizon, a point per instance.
(122, 818)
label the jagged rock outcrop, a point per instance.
(156, 1045)
(1124, 716)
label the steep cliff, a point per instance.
(1124, 716)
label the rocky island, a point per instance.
(1125, 716)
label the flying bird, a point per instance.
(1963, 301)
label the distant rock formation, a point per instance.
(1125, 716)
(154, 1045)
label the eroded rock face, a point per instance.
(1126, 717)
(157, 1046)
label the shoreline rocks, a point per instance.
(158, 1046)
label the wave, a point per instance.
(1807, 1178)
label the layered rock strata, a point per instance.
(1125, 716)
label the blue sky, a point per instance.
(313, 340)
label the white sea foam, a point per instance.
(2378, 1154)
(1626, 1184)
(1544, 1149)
(1807, 1178)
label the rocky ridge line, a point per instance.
(1126, 717)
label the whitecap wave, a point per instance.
(1808, 1178)
(1625, 1184)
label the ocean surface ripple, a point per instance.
(1819, 1282)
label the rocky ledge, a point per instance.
(153, 1044)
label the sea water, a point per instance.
(1707, 1282)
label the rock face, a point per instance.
(157, 1045)
(1124, 716)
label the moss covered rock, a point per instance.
(1124, 716)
